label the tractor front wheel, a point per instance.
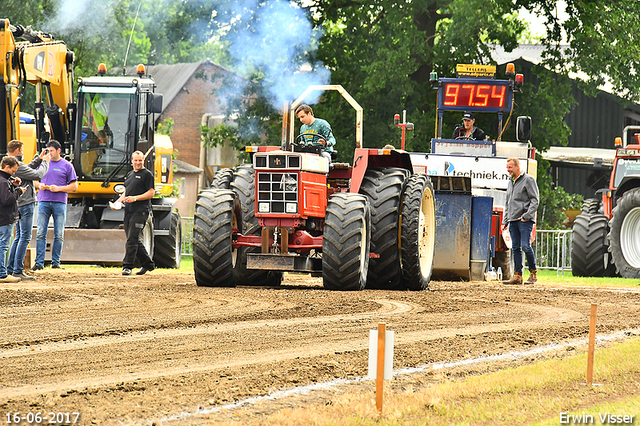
(346, 242)
(215, 218)
(590, 205)
(222, 179)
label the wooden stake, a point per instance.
(592, 344)
(380, 367)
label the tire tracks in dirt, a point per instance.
(165, 353)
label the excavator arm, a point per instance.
(47, 64)
(9, 112)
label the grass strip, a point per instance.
(548, 277)
(522, 395)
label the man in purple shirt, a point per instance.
(52, 201)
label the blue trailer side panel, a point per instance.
(453, 236)
(482, 210)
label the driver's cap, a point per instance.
(468, 116)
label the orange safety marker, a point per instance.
(380, 359)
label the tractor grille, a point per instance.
(277, 193)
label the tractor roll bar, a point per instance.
(324, 87)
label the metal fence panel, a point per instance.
(187, 236)
(553, 249)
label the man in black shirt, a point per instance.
(468, 130)
(139, 189)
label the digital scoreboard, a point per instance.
(475, 95)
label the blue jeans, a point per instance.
(21, 242)
(521, 241)
(47, 209)
(5, 236)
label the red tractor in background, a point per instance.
(366, 224)
(606, 235)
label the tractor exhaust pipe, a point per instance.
(287, 120)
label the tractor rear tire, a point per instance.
(383, 188)
(589, 255)
(346, 240)
(168, 248)
(417, 232)
(590, 205)
(243, 185)
(222, 179)
(624, 236)
(215, 217)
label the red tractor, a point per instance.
(366, 224)
(606, 235)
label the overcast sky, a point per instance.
(536, 23)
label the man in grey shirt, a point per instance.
(520, 215)
(26, 206)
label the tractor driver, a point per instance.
(318, 130)
(468, 130)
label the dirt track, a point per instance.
(134, 350)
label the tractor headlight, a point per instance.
(292, 207)
(263, 207)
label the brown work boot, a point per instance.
(533, 277)
(516, 279)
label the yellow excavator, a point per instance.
(99, 127)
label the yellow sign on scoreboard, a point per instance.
(481, 71)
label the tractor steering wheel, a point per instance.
(300, 144)
(301, 139)
(464, 138)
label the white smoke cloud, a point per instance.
(275, 37)
(81, 15)
(272, 37)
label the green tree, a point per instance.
(602, 39)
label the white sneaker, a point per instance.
(10, 279)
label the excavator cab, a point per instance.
(115, 118)
(105, 137)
